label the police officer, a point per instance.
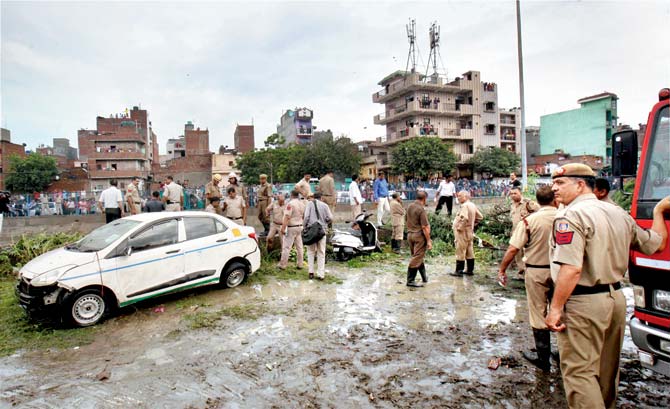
(303, 187)
(234, 207)
(292, 230)
(418, 237)
(589, 256)
(397, 221)
(520, 208)
(327, 190)
(212, 189)
(264, 199)
(275, 214)
(173, 195)
(241, 191)
(133, 197)
(532, 235)
(466, 219)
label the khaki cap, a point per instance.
(572, 170)
(217, 177)
(263, 176)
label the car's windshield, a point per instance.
(656, 184)
(103, 236)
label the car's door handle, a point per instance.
(222, 240)
(172, 251)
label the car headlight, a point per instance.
(662, 300)
(50, 276)
(638, 292)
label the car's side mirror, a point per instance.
(128, 251)
(624, 153)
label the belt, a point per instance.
(326, 195)
(170, 202)
(137, 202)
(538, 265)
(234, 218)
(596, 289)
(415, 232)
(295, 225)
(278, 224)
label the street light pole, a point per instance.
(524, 161)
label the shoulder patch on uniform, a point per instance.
(288, 207)
(564, 237)
(562, 227)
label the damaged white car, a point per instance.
(134, 259)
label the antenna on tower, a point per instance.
(411, 36)
(434, 34)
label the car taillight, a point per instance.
(253, 236)
(639, 296)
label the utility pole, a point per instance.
(524, 161)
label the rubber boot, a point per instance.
(543, 348)
(460, 266)
(395, 247)
(266, 227)
(411, 277)
(422, 271)
(471, 267)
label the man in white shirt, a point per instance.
(445, 194)
(173, 195)
(111, 202)
(355, 197)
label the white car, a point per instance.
(136, 258)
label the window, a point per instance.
(113, 166)
(197, 227)
(490, 106)
(158, 235)
(220, 227)
(656, 180)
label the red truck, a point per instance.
(650, 275)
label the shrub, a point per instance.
(29, 247)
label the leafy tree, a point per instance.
(30, 174)
(496, 161)
(339, 155)
(274, 141)
(421, 157)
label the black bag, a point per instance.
(314, 232)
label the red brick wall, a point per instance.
(7, 149)
(196, 168)
(244, 138)
(197, 142)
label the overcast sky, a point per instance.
(222, 63)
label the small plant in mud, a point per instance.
(210, 319)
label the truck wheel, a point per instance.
(234, 275)
(85, 308)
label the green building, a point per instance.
(586, 130)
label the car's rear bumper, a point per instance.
(254, 259)
(648, 339)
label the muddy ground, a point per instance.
(369, 342)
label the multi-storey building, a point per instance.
(586, 130)
(176, 148)
(189, 159)
(61, 150)
(510, 129)
(532, 141)
(244, 138)
(7, 150)
(121, 147)
(296, 126)
(463, 112)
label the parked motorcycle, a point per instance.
(362, 239)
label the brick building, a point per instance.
(61, 150)
(121, 147)
(189, 159)
(7, 149)
(244, 138)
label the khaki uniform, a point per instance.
(532, 238)
(276, 217)
(303, 188)
(464, 230)
(212, 190)
(234, 209)
(416, 219)
(397, 219)
(610, 201)
(241, 192)
(214, 209)
(295, 210)
(596, 237)
(517, 212)
(264, 198)
(133, 194)
(174, 194)
(327, 190)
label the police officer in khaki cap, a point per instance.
(212, 189)
(589, 245)
(264, 199)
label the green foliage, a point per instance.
(274, 141)
(289, 164)
(625, 198)
(30, 174)
(441, 229)
(211, 319)
(496, 161)
(422, 157)
(497, 221)
(29, 247)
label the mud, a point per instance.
(367, 343)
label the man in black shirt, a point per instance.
(154, 204)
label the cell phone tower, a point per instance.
(434, 34)
(411, 36)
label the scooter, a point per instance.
(362, 239)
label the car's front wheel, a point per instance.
(234, 275)
(86, 308)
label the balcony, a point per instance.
(464, 157)
(508, 123)
(117, 174)
(118, 137)
(418, 108)
(413, 82)
(118, 155)
(508, 139)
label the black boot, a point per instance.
(460, 266)
(266, 227)
(471, 267)
(422, 271)
(395, 246)
(411, 277)
(543, 348)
